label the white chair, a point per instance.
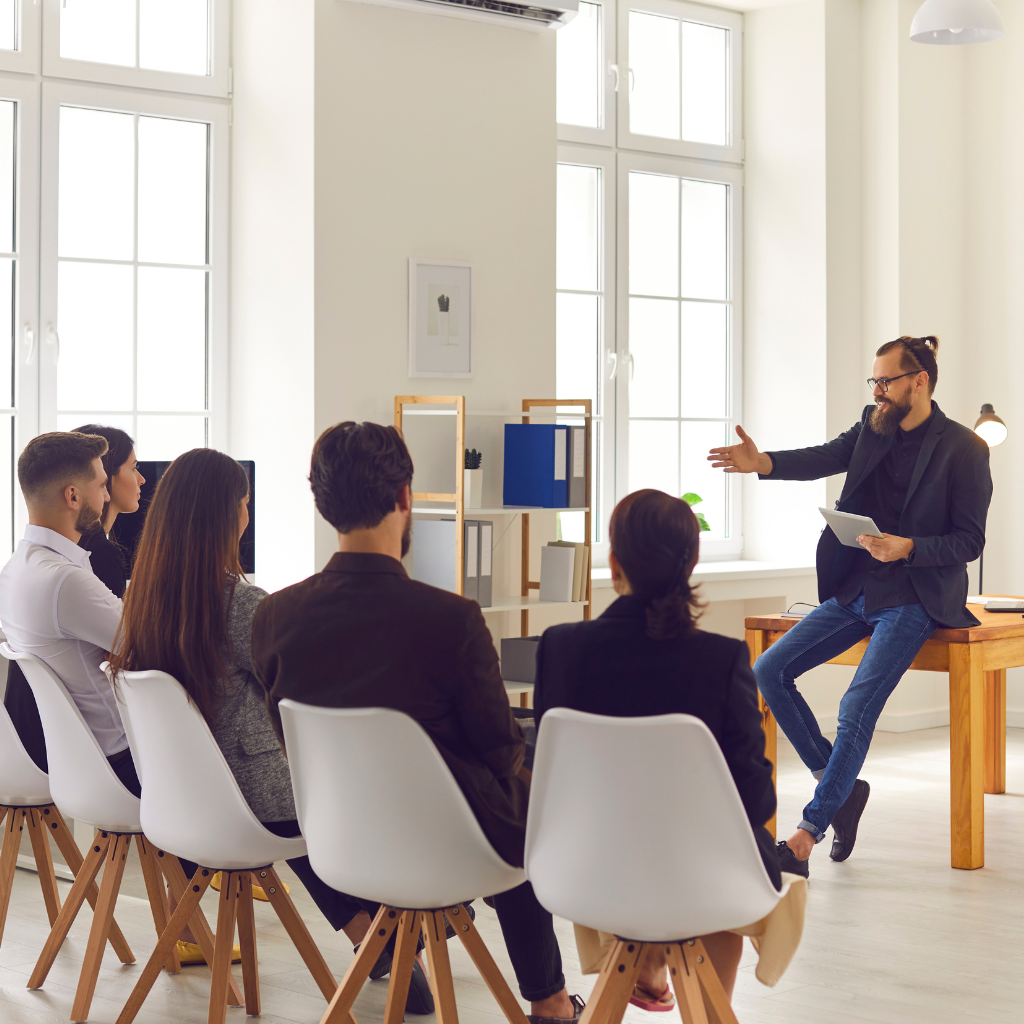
(211, 824)
(424, 849)
(84, 786)
(636, 828)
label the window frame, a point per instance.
(133, 101)
(217, 83)
(732, 545)
(604, 136)
(685, 11)
(25, 58)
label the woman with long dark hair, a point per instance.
(189, 612)
(645, 656)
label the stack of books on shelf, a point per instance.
(563, 571)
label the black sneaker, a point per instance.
(844, 824)
(382, 968)
(788, 861)
(577, 1004)
(419, 1000)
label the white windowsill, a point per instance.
(739, 569)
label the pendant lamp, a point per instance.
(990, 428)
(956, 22)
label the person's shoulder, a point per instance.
(964, 437)
(438, 603)
(246, 597)
(714, 645)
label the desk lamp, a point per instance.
(992, 430)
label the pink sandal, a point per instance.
(647, 1000)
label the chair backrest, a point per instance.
(21, 782)
(82, 783)
(191, 804)
(382, 815)
(636, 828)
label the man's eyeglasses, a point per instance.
(884, 382)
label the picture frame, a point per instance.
(440, 318)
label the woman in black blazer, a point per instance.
(645, 656)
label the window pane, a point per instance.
(705, 84)
(8, 38)
(7, 334)
(579, 198)
(654, 345)
(705, 231)
(94, 317)
(96, 186)
(172, 339)
(173, 35)
(696, 474)
(7, 157)
(654, 455)
(166, 437)
(577, 345)
(653, 234)
(704, 331)
(98, 30)
(654, 62)
(579, 81)
(6, 487)
(172, 190)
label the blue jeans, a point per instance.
(897, 634)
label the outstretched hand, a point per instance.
(741, 458)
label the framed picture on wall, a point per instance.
(440, 318)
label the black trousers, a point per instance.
(530, 939)
(339, 908)
(21, 706)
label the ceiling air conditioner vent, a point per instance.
(527, 16)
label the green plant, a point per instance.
(692, 499)
(473, 459)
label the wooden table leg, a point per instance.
(995, 731)
(966, 755)
(757, 642)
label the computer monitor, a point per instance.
(128, 527)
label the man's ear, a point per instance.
(404, 500)
(72, 496)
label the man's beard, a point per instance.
(885, 420)
(407, 537)
(89, 521)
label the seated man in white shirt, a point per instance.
(51, 603)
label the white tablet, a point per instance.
(848, 527)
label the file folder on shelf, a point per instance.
(577, 496)
(536, 465)
(433, 556)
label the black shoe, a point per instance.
(788, 861)
(844, 824)
(449, 931)
(577, 1004)
(382, 968)
(419, 1000)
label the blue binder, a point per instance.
(536, 465)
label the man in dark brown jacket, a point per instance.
(362, 634)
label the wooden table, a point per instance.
(976, 659)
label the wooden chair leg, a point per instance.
(179, 884)
(73, 858)
(401, 966)
(614, 986)
(9, 860)
(69, 911)
(299, 934)
(714, 994)
(247, 941)
(338, 1010)
(113, 870)
(223, 941)
(687, 987)
(44, 862)
(187, 907)
(157, 897)
(440, 965)
(484, 962)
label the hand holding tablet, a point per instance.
(848, 527)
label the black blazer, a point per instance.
(944, 514)
(107, 562)
(611, 667)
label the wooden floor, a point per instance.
(893, 936)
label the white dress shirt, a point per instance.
(52, 606)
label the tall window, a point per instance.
(649, 237)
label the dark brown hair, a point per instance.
(656, 539)
(120, 447)
(175, 615)
(917, 354)
(60, 457)
(356, 474)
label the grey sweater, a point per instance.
(242, 729)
